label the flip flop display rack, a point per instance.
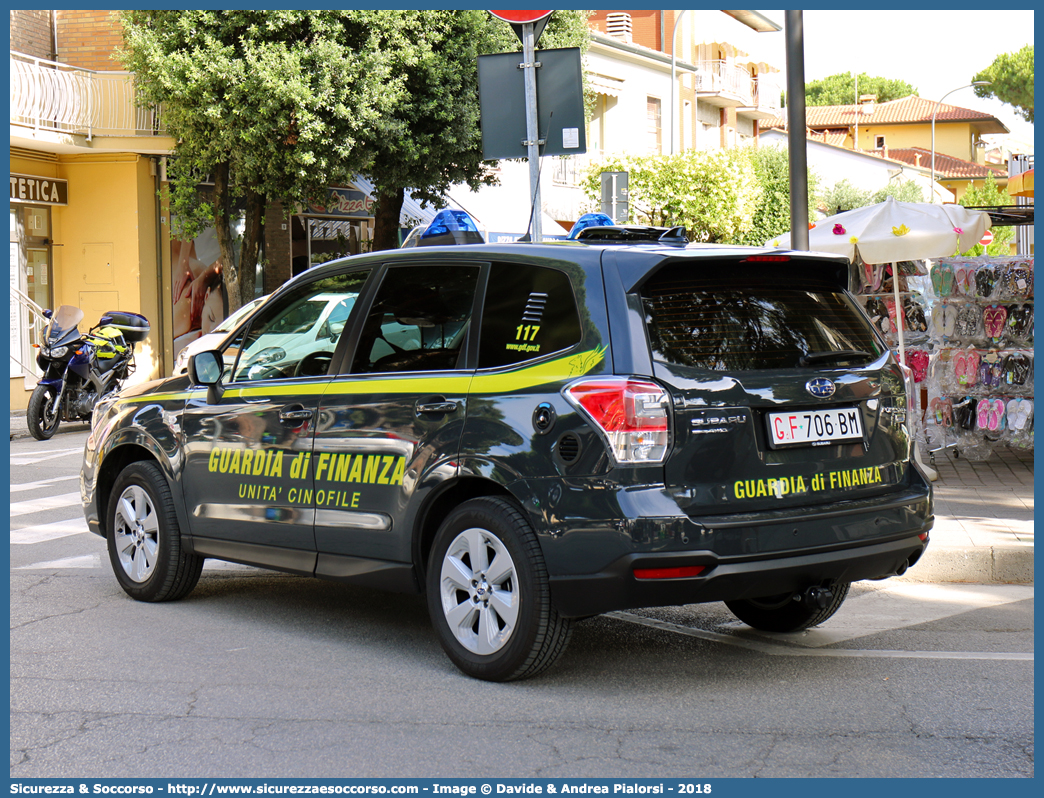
(979, 359)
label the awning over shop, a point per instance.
(604, 84)
(1021, 185)
(412, 211)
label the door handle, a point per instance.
(437, 407)
(295, 414)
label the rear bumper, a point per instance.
(752, 555)
(727, 579)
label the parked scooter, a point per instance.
(79, 369)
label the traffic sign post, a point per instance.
(527, 21)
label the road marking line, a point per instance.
(47, 503)
(44, 532)
(763, 647)
(53, 454)
(43, 483)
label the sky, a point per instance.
(935, 51)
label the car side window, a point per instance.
(530, 312)
(295, 335)
(418, 321)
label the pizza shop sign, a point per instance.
(39, 190)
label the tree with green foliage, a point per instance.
(990, 195)
(432, 138)
(902, 190)
(713, 193)
(843, 196)
(841, 89)
(772, 215)
(1011, 77)
(272, 105)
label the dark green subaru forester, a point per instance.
(530, 434)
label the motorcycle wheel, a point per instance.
(43, 414)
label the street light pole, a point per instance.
(935, 112)
(674, 76)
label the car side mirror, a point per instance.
(205, 368)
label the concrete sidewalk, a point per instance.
(983, 517)
(983, 520)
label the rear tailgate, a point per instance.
(783, 395)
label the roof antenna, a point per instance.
(540, 165)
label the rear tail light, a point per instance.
(633, 415)
(669, 573)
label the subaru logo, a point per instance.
(820, 387)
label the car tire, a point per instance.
(787, 612)
(488, 594)
(41, 414)
(144, 538)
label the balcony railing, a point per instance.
(720, 77)
(768, 93)
(47, 95)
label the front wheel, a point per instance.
(488, 594)
(43, 413)
(787, 612)
(145, 547)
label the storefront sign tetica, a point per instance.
(39, 190)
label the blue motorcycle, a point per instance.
(79, 369)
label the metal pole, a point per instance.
(796, 123)
(674, 79)
(935, 112)
(532, 134)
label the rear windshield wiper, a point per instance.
(834, 354)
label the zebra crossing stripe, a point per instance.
(45, 532)
(46, 503)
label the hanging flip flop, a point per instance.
(996, 418)
(963, 280)
(917, 360)
(947, 411)
(985, 280)
(993, 320)
(964, 413)
(983, 413)
(969, 319)
(1016, 368)
(960, 367)
(973, 366)
(1012, 414)
(1019, 281)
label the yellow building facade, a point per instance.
(86, 226)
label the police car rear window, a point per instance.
(738, 317)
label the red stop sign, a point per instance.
(519, 16)
(987, 238)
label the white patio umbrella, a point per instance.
(892, 231)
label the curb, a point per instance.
(985, 565)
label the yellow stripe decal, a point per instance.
(508, 382)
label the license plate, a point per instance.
(814, 427)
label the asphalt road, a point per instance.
(259, 674)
